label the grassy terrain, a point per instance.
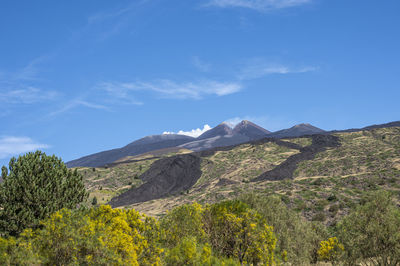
(226, 174)
(105, 183)
(323, 189)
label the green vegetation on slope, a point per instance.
(107, 182)
(324, 189)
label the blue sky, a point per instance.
(78, 77)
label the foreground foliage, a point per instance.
(297, 238)
(34, 186)
(371, 233)
(99, 236)
(254, 230)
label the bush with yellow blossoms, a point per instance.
(330, 250)
(99, 236)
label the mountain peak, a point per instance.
(251, 130)
(220, 130)
(307, 127)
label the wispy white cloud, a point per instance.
(11, 146)
(118, 93)
(77, 103)
(259, 68)
(26, 95)
(171, 89)
(259, 5)
(200, 64)
(21, 86)
(192, 133)
(107, 23)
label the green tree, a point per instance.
(35, 186)
(181, 222)
(298, 239)
(371, 233)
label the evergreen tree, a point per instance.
(35, 186)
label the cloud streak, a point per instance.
(192, 133)
(26, 95)
(11, 146)
(259, 5)
(260, 69)
(78, 103)
(171, 89)
(20, 87)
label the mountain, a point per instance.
(319, 175)
(296, 131)
(219, 136)
(220, 130)
(223, 135)
(250, 130)
(146, 144)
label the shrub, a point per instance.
(372, 231)
(330, 250)
(99, 236)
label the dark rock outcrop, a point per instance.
(285, 170)
(165, 177)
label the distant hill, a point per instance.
(297, 131)
(386, 125)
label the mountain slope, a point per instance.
(146, 144)
(321, 176)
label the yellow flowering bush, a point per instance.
(235, 230)
(330, 250)
(99, 236)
